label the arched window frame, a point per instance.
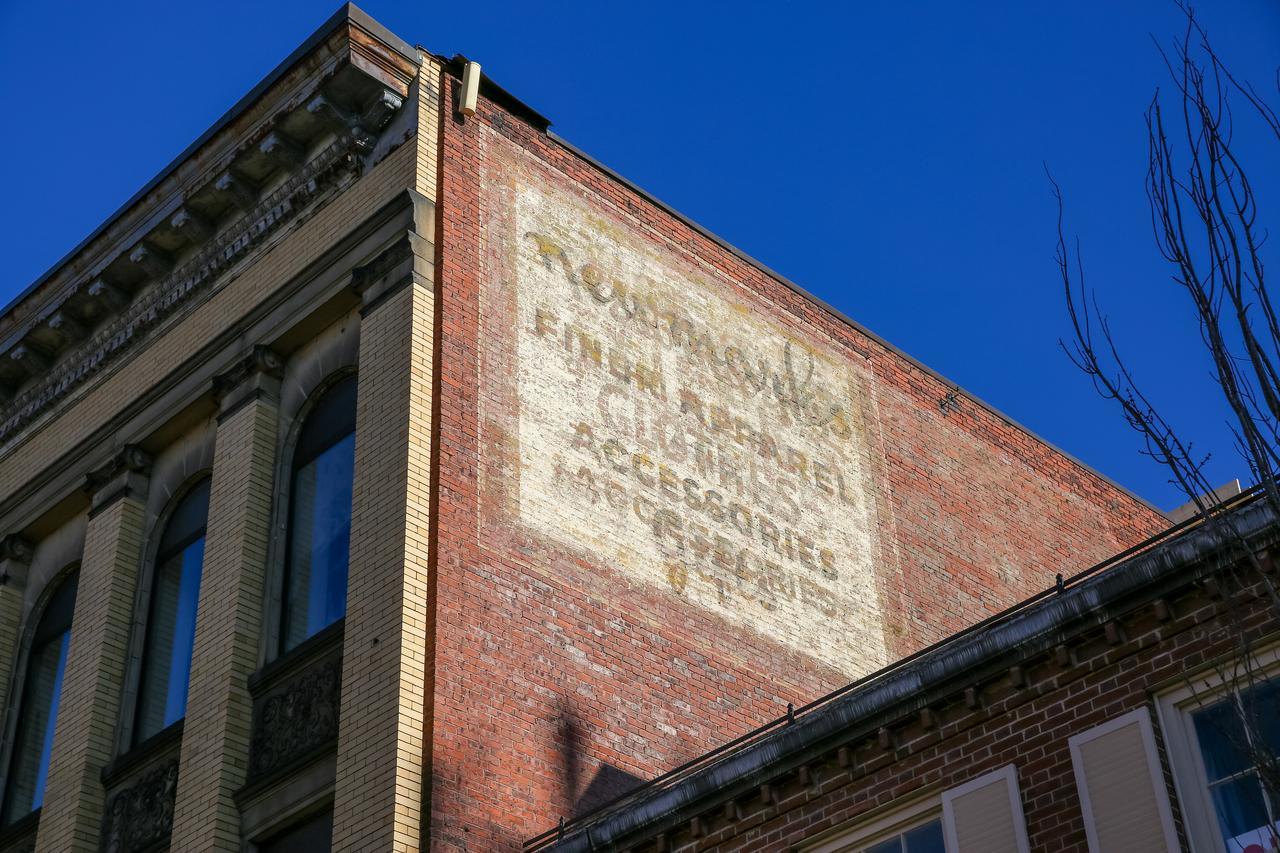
(125, 731)
(18, 681)
(278, 550)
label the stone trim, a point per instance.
(124, 475)
(295, 709)
(15, 557)
(411, 257)
(335, 166)
(255, 376)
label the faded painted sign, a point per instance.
(663, 425)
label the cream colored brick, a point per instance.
(89, 706)
(215, 744)
(378, 791)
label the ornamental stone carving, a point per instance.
(297, 718)
(269, 182)
(335, 166)
(141, 815)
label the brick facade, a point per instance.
(1018, 705)
(216, 734)
(614, 679)
(620, 493)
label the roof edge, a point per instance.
(348, 12)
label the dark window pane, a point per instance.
(320, 517)
(893, 845)
(321, 533)
(1241, 812)
(171, 622)
(333, 417)
(171, 631)
(186, 522)
(1262, 709)
(1222, 740)
(925, 839)
(313, 836)
(33, 741)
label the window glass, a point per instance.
(926, 838)
(320, 517)
(33, 740)
(171, 623)
(312, 836)
(1237, 737)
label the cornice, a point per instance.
(350, 36)
(318, 142)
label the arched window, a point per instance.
(171, 621)
(38, 712)
(315, 593)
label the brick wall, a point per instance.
(567, 662)
(1104, 674)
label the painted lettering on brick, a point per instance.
(669, 427)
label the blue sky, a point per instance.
(885, 155)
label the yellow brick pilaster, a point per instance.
(89, 707)
(216, 734)
(378, 789)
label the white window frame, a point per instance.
(1190, 780)
(894, 819)
(1142, 717)
(1009, 774)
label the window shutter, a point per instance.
(984, 815)
(1122, 791)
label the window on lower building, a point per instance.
(1123, 796)
(171, 620)
(1223, 733)
(38, 709)
(914, 826)
(925, 838)
(981, 815)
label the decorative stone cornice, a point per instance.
(322, 136)
(336, 165)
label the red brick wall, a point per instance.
(556, 670)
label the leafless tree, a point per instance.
(1206, 223)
